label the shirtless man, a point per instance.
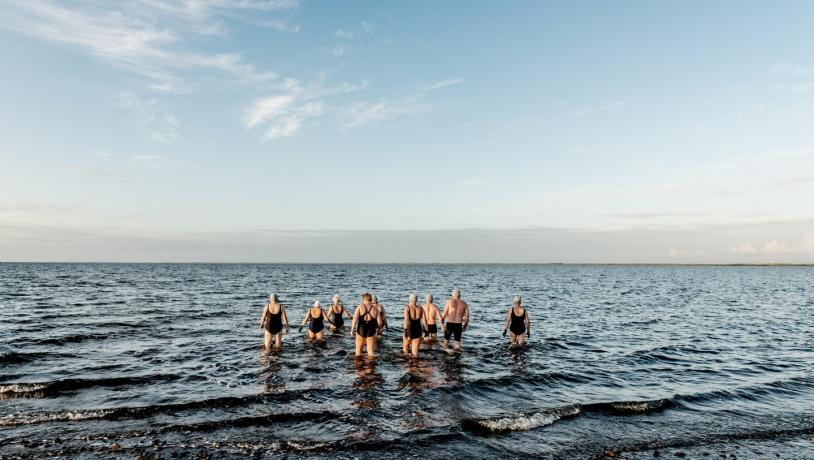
(456, 314)
(430, 313)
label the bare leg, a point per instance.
(521, 339)
(371, 347)
(360, 342)
(320, 335)
(311, 334)
(404, 342)
(267, 341)
(512, 339)
(457, 344)
(278, 340)
(415, 343)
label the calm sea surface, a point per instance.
(131, 359)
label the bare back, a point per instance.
(455, 310)
(431, 311)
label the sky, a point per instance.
(420, 131)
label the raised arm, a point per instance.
(263, 315)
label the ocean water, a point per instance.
(137, 360)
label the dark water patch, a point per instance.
(18, 357)
(142, 412)
(252, 421)
(57, 387)
(65, 340)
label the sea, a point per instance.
(629, 361)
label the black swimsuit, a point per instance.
(338, 320)
(274, 321)
(316, 325)
(367, 327)
(414, 330)
(518, 325)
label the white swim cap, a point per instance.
(317, 304)
(516, 299)
(456, 293)
(428, 298)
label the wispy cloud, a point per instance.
(770, 247)
(795, 181)
(364, 113)
(792, 70)
(152, 161)
(287, 112)
(102, 173)
(364, 27)
(143, 36)
(160, 123)
(442, 83)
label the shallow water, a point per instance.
(147, 359)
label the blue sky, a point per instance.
(407, 131)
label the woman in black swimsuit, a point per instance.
(517, 322)
(366, 321)
(336, 312)
(273, 318)
(413, 329)
(316, 315)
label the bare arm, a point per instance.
(444, 314)
(263, 315)
(325, 317)
(406, 318)
(307, 317)
(528, 324)
(345, 312)
(355, 319)
(466, 316)
(285, 315)
(508, 319)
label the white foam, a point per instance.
(527, 422)
(67, 416)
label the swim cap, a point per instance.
(317, 304)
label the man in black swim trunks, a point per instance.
(456, 315)
(430, 313)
